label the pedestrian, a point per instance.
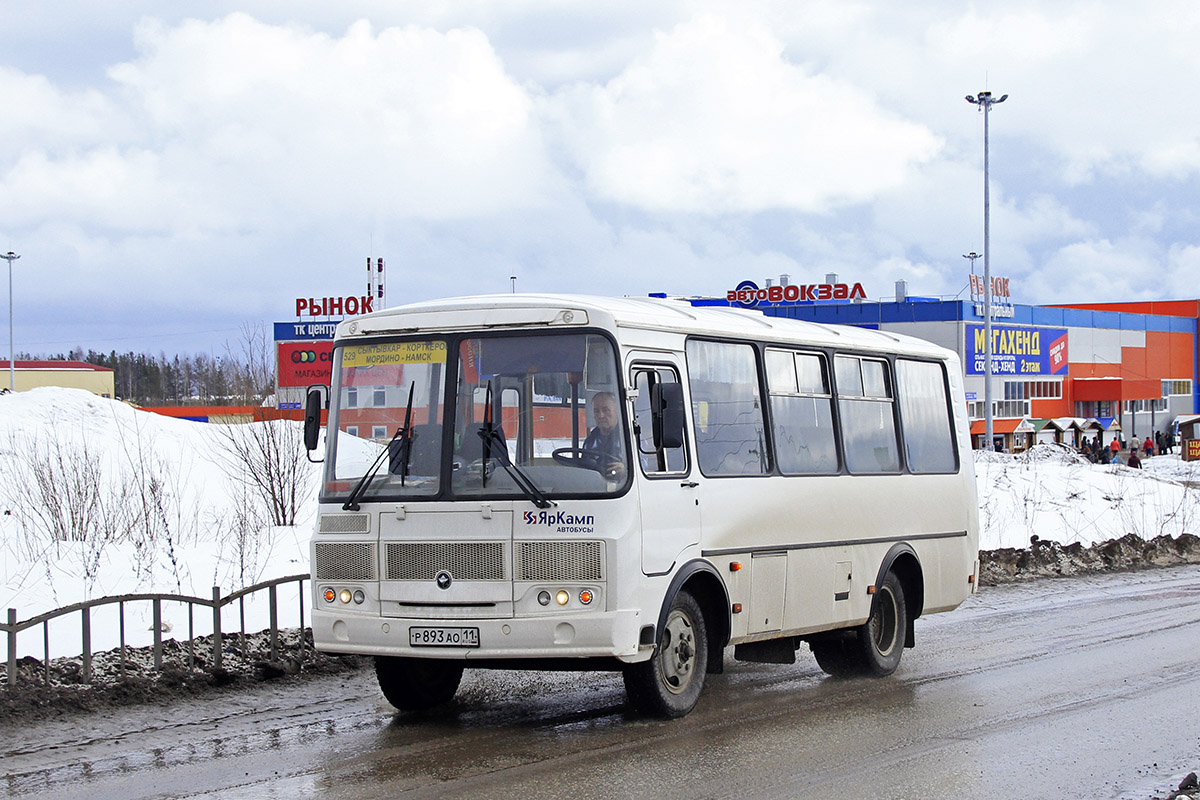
(1134, 461)
(1115, 447)
(1148, 447)
(1158, 442)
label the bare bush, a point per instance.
(272, 458)
(62, 498)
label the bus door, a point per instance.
(670, 510)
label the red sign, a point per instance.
(1191, 449)
(999, 287)
(748, 295)
(305, 363)
(333, 306)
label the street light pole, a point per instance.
(10, 257)
(985, 101)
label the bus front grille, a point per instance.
(560, 561)
(345, 523)
(344, 561)
(465, 561)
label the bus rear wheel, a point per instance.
(875, 647)
(669, 684)
(417, 684)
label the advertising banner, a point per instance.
(305, 363)
(1017, 350)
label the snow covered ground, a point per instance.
(171, 512)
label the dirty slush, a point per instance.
(122, 679)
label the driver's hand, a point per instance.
(615, 471)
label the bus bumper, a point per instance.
(586, 635)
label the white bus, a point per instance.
(558, 481)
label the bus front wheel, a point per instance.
(875, 647)
(669, 684)
(417, 684)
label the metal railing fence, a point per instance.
(218, 602)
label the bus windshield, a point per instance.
(530, 416)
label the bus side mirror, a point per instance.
(313, 404)
(666, 414)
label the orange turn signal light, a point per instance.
(734, 566)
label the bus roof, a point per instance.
(484, 312)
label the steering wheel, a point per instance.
(578, 457)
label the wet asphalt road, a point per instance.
(1068, 688)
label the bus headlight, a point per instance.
(544, 598)
(563, 597)
(344, 596)
(329, 595)
(585, 597)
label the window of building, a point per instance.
(1000, 408)
(352, 397)
(1032, 390)
(1138, 406)
(379, 432)
(1176, 388)
(379, 397)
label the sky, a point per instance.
(203, 503)
(171, 172)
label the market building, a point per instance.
(1059, 372)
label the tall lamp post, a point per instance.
(10, 257)
(985, 101)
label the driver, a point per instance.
(605, 438)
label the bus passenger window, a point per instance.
(868, 421)
(726, 409)
(925, 416)
(801, 413)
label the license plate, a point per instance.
(443, 637)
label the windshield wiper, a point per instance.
(406, 437)
(492, 442)
(403, 436)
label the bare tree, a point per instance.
(254, 378)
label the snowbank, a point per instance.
(165, 507)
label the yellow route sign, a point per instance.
(372, 355)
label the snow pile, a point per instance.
(1051, 493)
(156, 505)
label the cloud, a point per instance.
(235, 124)
(715, 119)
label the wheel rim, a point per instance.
(677, 652)
(884, 617)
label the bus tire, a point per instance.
(669, 683)
(417, 684)
(875, 647)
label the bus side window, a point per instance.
(727, 411)
(925, 416)
(868, 422)
(801, 412)
(668, 460)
